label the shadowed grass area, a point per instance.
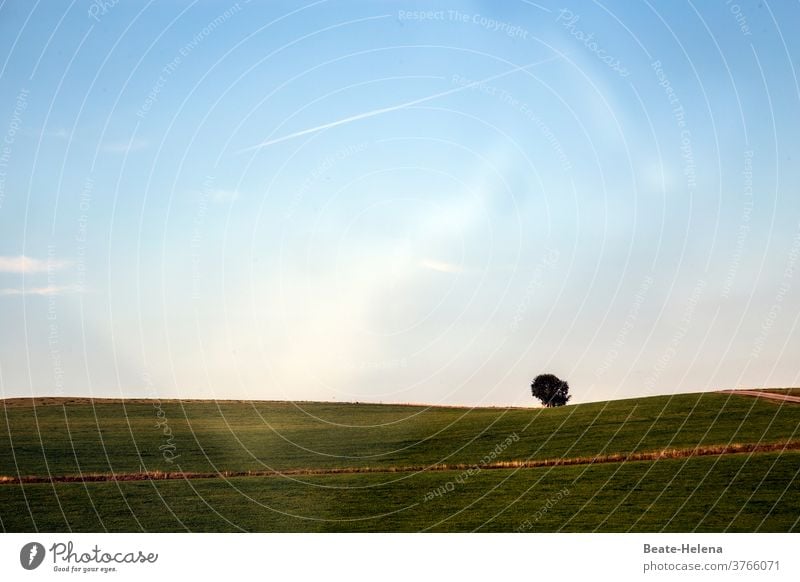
(739, 492)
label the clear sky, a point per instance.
(397, 201)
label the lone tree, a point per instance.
(551, 390)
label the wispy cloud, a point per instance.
(441, 266)
(60, 133)
(41, 291)
(23, 264)
(124, 147)
(221, 195)
(382, 110)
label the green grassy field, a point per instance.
(738, 492)
(731, 493)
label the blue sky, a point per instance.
(397, 201)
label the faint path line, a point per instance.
(766, 395)
(391, 108)
(664, 454)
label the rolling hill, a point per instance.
(705, 462)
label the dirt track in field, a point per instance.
(701, 451)
(765, 395)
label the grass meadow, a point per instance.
(730, 492)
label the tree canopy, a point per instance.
(551, 390)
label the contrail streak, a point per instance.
(382, 110)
